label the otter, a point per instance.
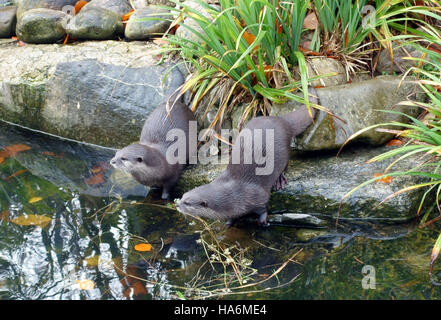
(146, 161)
(238, 190)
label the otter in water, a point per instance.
(146, 161)
(239, 190)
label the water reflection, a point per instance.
(86, 247)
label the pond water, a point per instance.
(73, 228)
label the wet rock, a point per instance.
(399, 63)
(357, 104)
(41, 26)
(25, 5)
(95, 23)
(318, 182)
(99, 92)
(140, 30)
(7, 21)
(120, 7)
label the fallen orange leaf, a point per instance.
(2, 159)
(127, 15)
(394, 142)
(160, 41)
(79, 5)
(386, 179)
(143, 247)
(249, 37)
(96, 179)
(17, 148)
(32, 220)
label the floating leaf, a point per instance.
(85, 284)
(35, 199)
(394, 143)
(96, 179)
(143, 247)
(2, 159)
(135, 289)
(32, 220)
(386, 179)
(19, 172)
(11, 151)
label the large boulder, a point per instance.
(7, 21)
(41, 26)
(95, 23)
(357, 106)
(98, 92)
(318, 182)
(139, 29)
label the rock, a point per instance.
(357, 104)
(184, 32)
(399, 64)
(94, 23)
(41, 26)
(318, 182)
(4, 3)
(7, 21)
(25, 5)
(120, 7)
(320, 66)
(140, 30)
(98, 92)
(295, 219)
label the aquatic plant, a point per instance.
(423, 135)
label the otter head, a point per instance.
(140, 161)
(210, 201)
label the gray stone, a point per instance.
(25, 5)
(5, 3)
(94, 23)
(185, 32)
(317, 183)
(399, 63)
(358, 105)
(137, 29)
(98, 91)
(41, 26)
(120, 7)
(7, 21)
(322, 66)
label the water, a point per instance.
(88, 220)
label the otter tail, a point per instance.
(301, 119)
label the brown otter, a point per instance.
(239, 190)
(146, 161)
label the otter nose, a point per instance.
(113, 162)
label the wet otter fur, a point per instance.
(146, 161)
(238, 190)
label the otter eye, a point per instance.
(204, 203)
(139, 159)
(123, 159)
